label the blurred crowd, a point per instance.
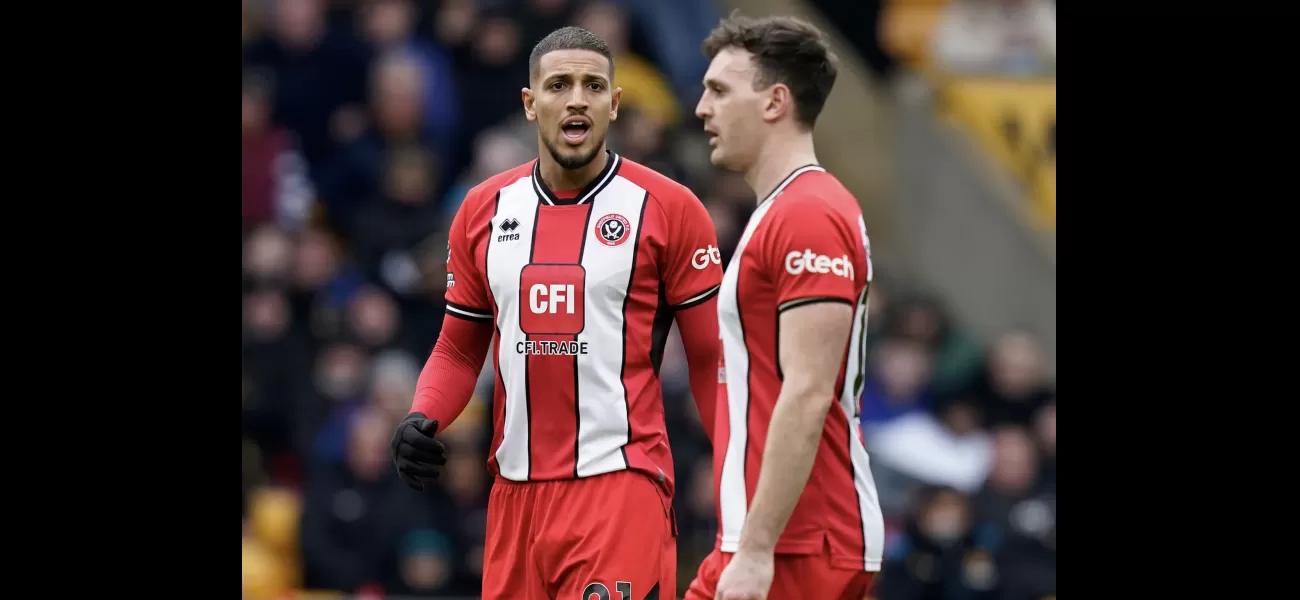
(364, 124)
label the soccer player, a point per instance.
(575, 266)
(797, 507)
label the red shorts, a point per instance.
(795, 577)
(571, 539)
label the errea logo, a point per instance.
(810, 262)
(508, 227)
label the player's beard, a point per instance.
(574, 162)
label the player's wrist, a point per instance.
(755, 545)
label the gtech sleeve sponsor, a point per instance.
(807, 261)
(703, 257)
(813, 251)
(692, 262)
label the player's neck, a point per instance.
(558, 178)
(777, 160)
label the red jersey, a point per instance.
(581, 288)
(806, 242)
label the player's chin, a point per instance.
(719, 159)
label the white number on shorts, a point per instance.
(601, 592)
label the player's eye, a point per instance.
(596, 86)
(557, 86)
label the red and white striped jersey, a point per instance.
(806, 242)
(581, 287)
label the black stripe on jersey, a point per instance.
(862, 345)
(786, 181)
(795, 303)
(663, 324)
(749, 377)
(697, 299)
(528, 393)
(476, 315)
(588, 193)
(622, 367)
(577, 389)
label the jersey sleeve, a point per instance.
(693, 270)
(811, 255)
(467, 295)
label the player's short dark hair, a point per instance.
(786, 50)
(569, 38)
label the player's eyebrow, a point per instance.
(570, 76)
(711, 82)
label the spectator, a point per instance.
(956, 357)
(357, 514)
(318, 75)
(939, 556)
(390, 227)
(327, 407)
(643, 138)
(495, 150)
(644, 87)
(321, 285)
(273, 364)
(950, 451)
(268, 256)
(275, 185)
(1045, 435)
(492, 60)
(397, 100)
(897, 384)
(389, 26)
(997, 37)
(1014, 385)
(1021, 514)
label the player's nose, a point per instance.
(701, 109)
(578, 100)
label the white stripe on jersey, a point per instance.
(505, 260)
(873, 526)
(732, 495)
(603, 427)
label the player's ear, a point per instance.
(779, 102)
(613, 103)
(530, 111)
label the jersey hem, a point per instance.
(837, 560)
(808, 546)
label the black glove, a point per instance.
(419, 457)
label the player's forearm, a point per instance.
(788, 456)
(698, 327)
(447, 381)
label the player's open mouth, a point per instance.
(575, 131)
(713, 136)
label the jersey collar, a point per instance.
(788, 180)
(606, 175)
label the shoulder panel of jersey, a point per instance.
(467, 294)
(815, 243)
(691, 262)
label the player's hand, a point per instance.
(747, 577)
(418, 456)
